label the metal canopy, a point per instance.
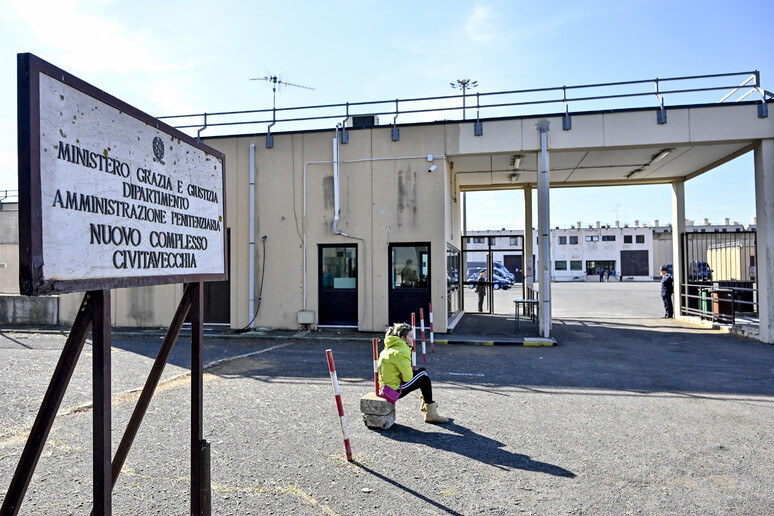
(594, 167)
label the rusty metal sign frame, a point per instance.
(32, 280)
(94, 316)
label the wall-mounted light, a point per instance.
(516, 161)
(661, 155)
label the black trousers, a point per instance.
(420, 381)
(668, 309)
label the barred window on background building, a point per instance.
(560, 265)
(562, 240)
(576, 265)
(640, 239)
(573, 240)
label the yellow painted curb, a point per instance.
(539, 342)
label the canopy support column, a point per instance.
(678, 228)
(764, 213)
(544, 241)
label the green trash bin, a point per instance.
(706, 302)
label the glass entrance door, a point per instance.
(337, 301)
(409, 282)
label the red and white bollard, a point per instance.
(422, 326)
(414, 344)
(339, 406)
(432, 338)
(376, 366)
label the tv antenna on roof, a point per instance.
(275, 82)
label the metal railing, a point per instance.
(9, 196)
(626, 94)
(719, 275)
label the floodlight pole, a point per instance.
(464, 85)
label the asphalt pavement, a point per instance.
(629, 414)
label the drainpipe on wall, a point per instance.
(252, 235)
(336, 205)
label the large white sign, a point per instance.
(121, 196)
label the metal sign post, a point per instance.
(144, 204)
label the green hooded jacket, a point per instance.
(395, 363)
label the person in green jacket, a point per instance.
(395, 370)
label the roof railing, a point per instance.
(497, 104)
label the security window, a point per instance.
(576, 265)
(478, 240)
(573, 240)
(592, 238)
(339, 267)
(562, 240)
(560, 265)
(627, 239)
(640, 239)
(608, 238)
(515, 241)
(410, 266)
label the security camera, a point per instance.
(432, 168)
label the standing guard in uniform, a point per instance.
(667, 287)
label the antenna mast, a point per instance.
(275, 82)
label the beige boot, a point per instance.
(431, 414)
(422, 407)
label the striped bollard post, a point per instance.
(432, 337)
(414, 344)
(422, 326)
(376, 365)
(339, 406)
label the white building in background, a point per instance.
(602, 252)
(619, 253)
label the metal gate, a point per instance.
(719, 275)
(501, 257)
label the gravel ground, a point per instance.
(625, 416)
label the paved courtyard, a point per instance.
(629, 414)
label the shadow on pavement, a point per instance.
(406, 489)
(474, 446)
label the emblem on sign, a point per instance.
(158, 150)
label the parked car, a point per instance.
(498, 281)
(699, 271)
(498, 266)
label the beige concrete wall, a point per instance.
(9, 268)
(139, 307)
(41, 310)
(386, 196)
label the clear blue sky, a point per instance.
(175, 57)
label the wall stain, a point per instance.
(327, 191)
(407, 197)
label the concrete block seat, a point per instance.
(377, 412)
